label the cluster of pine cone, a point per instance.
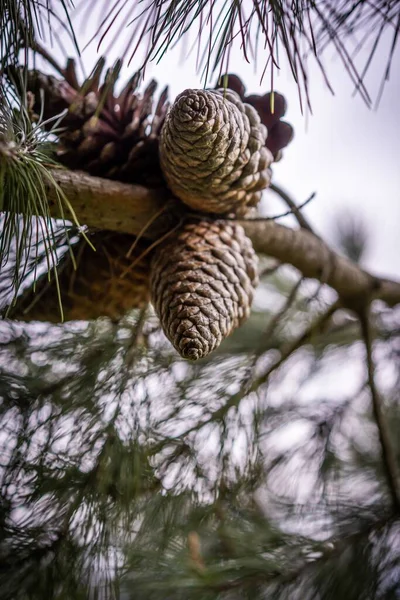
(211, 148)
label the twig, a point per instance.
(331, 549)
(296, 344)
(291, 211)
(131, 351)
(294, 209)
(144, 229)
(150, 248)
(35, 47)
(268, 271)
(249, 386)
(194, 547)
(388, 454)
(277, 317)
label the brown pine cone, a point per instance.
(108, 135)
(212, 151)
(106, 283)
(280, 133)
(202, 283)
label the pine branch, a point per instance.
(336, 547)
(253, 384)
(316, 260)
(25, 170)
(261, 569)
(388, 454)
(105, 204)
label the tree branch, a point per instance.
(106, 204)
(388, 453)
(314, 259)
(252, 384)
(332, 549)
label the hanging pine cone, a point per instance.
(106, 282)
(202, 282)
(271, 110)
(103, 134)
(213, 153)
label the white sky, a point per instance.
(345, 152)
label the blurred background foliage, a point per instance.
(126, 472)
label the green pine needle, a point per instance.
(25, 172)
(268, 29)
(22, 22)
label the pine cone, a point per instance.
(280, 133)
(202, 282)
(105, 283)
(212, 151)
(105, 135)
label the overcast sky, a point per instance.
(345, 152)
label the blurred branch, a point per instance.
(328, 551)
(41, 51)
(313, 328)
(333, 548)
(294, 209)
(388, 454)
(315, 259)
(137, 338)
(252, 384)
(337, 335)
(116, 206)
(277, 318)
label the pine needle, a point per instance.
(23, 21)
(25, 163)
(301, 29)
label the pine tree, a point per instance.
(269, 466)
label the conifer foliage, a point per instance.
(181, 418)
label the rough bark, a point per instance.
(106, 204)
(315, 259)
